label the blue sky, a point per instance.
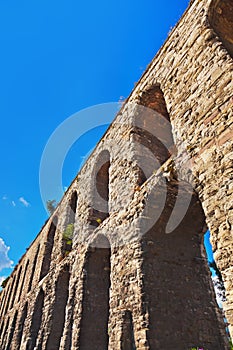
(58, 57)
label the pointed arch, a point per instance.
(220, 16)
(72, 208)
(9, 295)
(48, 248)
(153, 98)
(4, 298)
(24, 276)
(67, 238)
(33, 268)
(100, 201)
(152, 133)
(16, 287)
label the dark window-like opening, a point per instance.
(48, 248)
(100, 208)
(72, 208)
(4, 298)
(4, 337)
(24, 276)
(152, 133)
(177, 283)
(36, 321)
(2, 326)
(127, 337)
(59, 310)
(21, 326)
(12, 329)
(221, 20)
(67, 236)
(95, 313)
(10, 294)
(33, 268)
(16, 286)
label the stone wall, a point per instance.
(135, 274)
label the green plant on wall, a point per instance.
(68, 234)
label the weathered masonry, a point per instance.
(135, 274)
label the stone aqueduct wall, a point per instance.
(125, 283)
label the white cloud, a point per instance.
(13, 203)
(5, 262)
(24, 202)
(4, 198)
(2, 278)
(219, 290)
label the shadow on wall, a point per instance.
(95, 314)
(178, 294)
(58, 310)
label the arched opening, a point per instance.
(16, 286)
(2, 327)
(36, 321)
(48, 248)
(221, 20)
(95, 305)
(67, 237)
(72, 208)
(59, 309)
(100, 208)
(4, 338)
(127, 337)
(9, 295)
(4, 298)
(21, 326)
(33, 268)
(23, 281)
(153, 98)
(178, 292)
(12, 329)
(152, 133)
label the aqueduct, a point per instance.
(128, 280)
